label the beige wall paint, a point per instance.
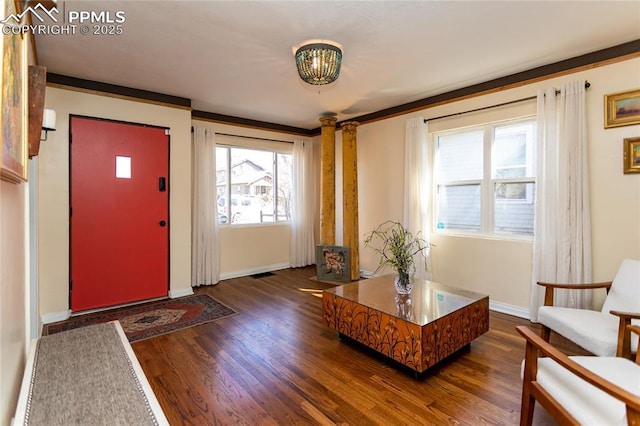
(53, 191)
(249, 249)
(500, 268)
(615, 197)
(380, 176)
(246, 250)
(13, 294)
(14, 279)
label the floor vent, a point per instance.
(262, 275)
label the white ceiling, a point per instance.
(235, 57)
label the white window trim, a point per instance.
(487, 184)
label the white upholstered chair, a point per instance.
(604, 332)
(579, 390)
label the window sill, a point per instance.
(252, 225)
(485, 236)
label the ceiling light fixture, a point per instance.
(319, 63)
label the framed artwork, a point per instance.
(631, 155)
(333, 263)
(622, 109)
(14, 111)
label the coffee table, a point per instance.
(417, 330)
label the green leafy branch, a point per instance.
(397, 247)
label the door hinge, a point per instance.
(70, 285)
(70, 211)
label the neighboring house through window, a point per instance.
(258, 187)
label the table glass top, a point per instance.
(427, 302)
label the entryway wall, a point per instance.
(53, 191)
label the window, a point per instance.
(253, 185)
(485, 178)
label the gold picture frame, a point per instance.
(14, 109)
(631, 155)
(622, 109)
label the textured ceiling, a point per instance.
(236, 57)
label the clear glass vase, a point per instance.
(404, 307)
(403, 283)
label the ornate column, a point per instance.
(350, 195)
(328, 181)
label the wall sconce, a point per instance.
(48, 122)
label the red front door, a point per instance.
(119, 213)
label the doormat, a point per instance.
(152, 319)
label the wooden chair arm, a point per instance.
(630, 315)
(606, 285)
(624, 333)
(550, 287)
(535, 346)
(636, 329)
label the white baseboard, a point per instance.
(65, 315)
(174, 294)
(504, 308)
(55, 317)
(251, 271)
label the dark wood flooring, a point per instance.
(275, 363)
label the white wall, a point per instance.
(53, 190)
(615, 197)
(500, 268)
(14, 276)
(13, 294)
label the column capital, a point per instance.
(349, 126)
(328, 121)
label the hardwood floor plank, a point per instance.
(275, 363)
(256, 382)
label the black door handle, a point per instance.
(163, 223)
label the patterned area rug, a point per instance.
(152, 319)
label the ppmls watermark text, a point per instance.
(70, 22)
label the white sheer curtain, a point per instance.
(562, 230)
(205, 268)
(302, 251)
(417, 187)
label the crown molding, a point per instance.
(97, 87)
(590, 60)
(598, 58)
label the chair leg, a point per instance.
(529, 375)
(633, 416)
(545, 333)
(526, 407)
(624, 339)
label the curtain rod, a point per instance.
(586, 86)
(247, 137)
(252, 137)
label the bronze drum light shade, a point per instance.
(318, 63)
